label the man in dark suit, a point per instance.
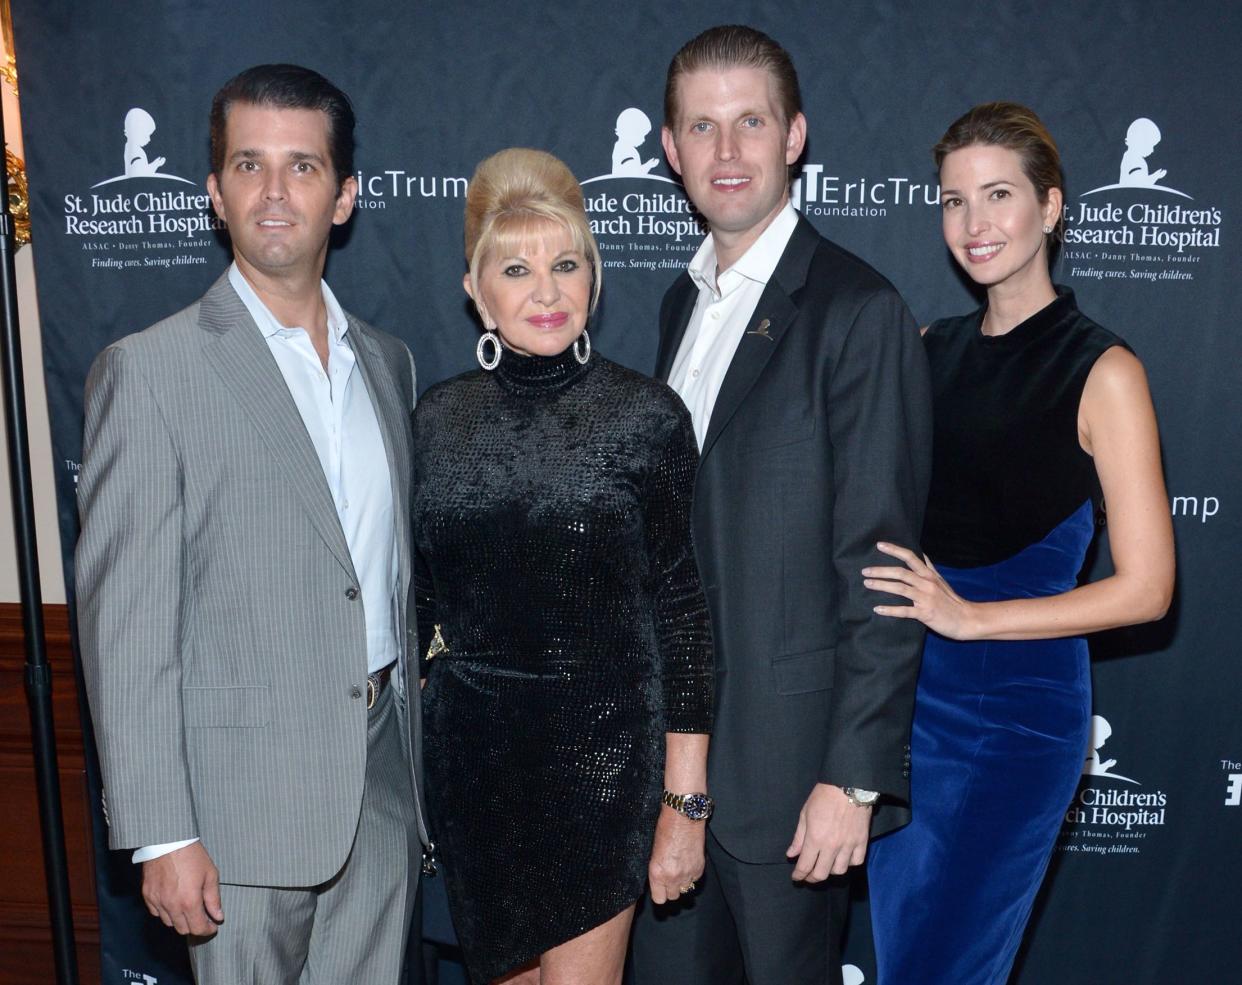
(808, 386)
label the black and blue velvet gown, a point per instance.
(552, 517)
(1000, 727)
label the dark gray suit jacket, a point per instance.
(222, 633)
(819, 445)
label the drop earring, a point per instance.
(480, 351)
(584, 354)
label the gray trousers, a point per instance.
(746, 924)
(351, 928)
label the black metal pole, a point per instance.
(38, 675)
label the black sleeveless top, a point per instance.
(1007, 467)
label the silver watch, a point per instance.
(861, 798)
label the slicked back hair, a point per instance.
(287, 87)
(734, 46)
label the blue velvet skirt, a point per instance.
(999, 738)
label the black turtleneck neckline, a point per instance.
(1050, 315)
(540, 374)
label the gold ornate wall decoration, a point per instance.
(19, 198)
(15, 167)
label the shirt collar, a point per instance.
(338, 324)
(756, 264)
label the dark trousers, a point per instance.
(747, 924)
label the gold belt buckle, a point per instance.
(372, 691)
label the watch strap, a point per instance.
(695, 806)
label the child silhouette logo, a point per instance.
(1141, 139)
(139, 126)
(632, 130)
(1094, 766)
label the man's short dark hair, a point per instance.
(287, 87)
(734, 46)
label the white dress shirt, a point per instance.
(340, 420)
(724, 308)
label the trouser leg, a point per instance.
(364, 912)
(789, 933)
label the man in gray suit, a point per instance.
(243, 578)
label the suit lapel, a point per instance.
(674, 329)
(389, 410)
(773, 315)
(772, 318)
(236, 349)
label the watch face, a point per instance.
(698, 806)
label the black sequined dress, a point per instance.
(552, 511)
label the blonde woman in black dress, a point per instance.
(568, 706)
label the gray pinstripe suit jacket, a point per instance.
(222, 637)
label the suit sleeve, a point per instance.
(683, 627)
(425, 610)
(423, 582)
(130, 583)
(879, 400)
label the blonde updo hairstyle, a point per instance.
(514, 196)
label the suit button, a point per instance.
(351, 593)
(355, 691)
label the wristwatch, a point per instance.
(696, 806)
(861, 798)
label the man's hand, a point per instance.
(182, 888)
(676, 855)
(832, 835)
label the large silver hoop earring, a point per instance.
(480, 351)
(584, 354)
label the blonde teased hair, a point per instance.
(514, 195)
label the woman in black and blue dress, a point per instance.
(569, 694)
(1039, 414)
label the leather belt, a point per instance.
(377, 682)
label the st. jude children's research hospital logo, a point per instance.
(1112, 812)
(135, 220)
(641, 220)
(139, 127)
(1142, 226)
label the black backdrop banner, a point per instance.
(1144, 884)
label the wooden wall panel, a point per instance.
(25, 933)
